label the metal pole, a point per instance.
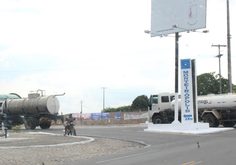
(81, 112)
(220, 71)
(103, 101)
(176, 61)
(103, 97)
(5, 119)
(229, 51)
(176, 76)
(219, 55)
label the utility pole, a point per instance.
(229, 51)
(81, 112)
(104, 97)
(103, 101)
(219, 55)
(176, 76)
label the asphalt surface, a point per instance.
(162, 148)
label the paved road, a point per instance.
(163, 148)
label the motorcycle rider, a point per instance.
(69, 119)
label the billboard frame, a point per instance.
(172, 16)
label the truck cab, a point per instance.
(159, 108)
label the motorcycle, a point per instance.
(70, 129)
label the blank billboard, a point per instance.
(171, 16)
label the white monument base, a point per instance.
(193, 128)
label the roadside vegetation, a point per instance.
(16, 129)
(209, 83)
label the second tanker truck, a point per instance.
(35, 110)
(213, 109)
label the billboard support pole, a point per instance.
(229, 51)
(176, 76)
(5, 119)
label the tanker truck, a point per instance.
(214, 109)
(35, 110)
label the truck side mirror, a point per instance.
(150, 105)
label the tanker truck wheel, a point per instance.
(45, 124)
(157, 119)
(29, 124)
(209, 118)
(48, 124)
(228, 123)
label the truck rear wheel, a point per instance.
(45, 124)
(229, 124)
(48, 124)
(213, 122)
(157, 119)
(29, 124)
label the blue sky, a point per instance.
(78, 46)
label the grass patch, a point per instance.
(16, 129)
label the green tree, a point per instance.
(140, 102)
(122, 108)
(210, 83)
(207, 83)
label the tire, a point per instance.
(48, 124)
(29, 124)
(69, 132)
(157, 119)
(213, 122)
(43, 124)
(228, 123)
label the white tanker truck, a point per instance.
(35, 110)
(212, 109)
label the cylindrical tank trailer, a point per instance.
(212, 101)
(35, 110)
(33, 104)
(215, 109)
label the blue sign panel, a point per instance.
(117, 115)
(186, 91)
(100, 115)
(185, 64)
